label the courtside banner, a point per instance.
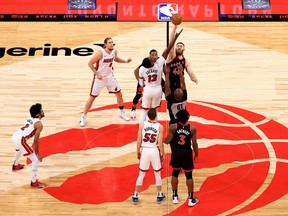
(130, 10)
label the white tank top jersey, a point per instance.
(150, 133)
(28, 129)
(105, 65)
(152, 76)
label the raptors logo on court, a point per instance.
(247, 152)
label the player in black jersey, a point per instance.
(175, 101)
(180, 136)
(176, 58)
(154, 55)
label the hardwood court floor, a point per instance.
(241, 65)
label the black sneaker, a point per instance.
(193, 201)
(161, 199)
(135, 200)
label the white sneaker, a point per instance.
(124, 116)
(133, 115)
(175, 199)
(82, 121)
(193, 201)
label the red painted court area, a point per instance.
(218, 193)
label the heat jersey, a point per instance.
(28, 129)
(150, 133)
(152, 76)
(105, 65)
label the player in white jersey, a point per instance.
(102, 66)
(32, 127)
(154, 55)
(150, 75)
(150, 141)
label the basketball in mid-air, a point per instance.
(176, 19)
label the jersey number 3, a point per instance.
(182, 139)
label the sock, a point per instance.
(160, 194)
(121, 107)
(190, 195)
(135, 194)
(17, 157)
(34, 176)
(175, 193)
(133, 108)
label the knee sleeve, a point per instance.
(158, 178)
(175, 173)
(140, 178)
(188, 175)
(35, 161)
(136, 98)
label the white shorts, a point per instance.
(150, 155)
(151, 97)
(21, 144)
(109, 82)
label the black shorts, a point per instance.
(182, 158)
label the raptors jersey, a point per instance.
(152, 76)
(174, 106)
(150, 133)
(28, 130)
(182, 136)
(104, 65)
(174, 77)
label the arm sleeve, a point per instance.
(141, 81)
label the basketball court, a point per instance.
(239, 108)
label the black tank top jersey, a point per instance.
(174, 106)
(174, 78)
(182, 137)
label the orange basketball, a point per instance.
(176, 19)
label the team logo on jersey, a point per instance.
(165, 11)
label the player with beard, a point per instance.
(153, 54)
(150, 75)
(32, 128)
(181, 136)
(176, 57)
(101, 64)
(175, 101)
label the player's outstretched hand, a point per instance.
(177, 34)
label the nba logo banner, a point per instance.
(256, 4)
(165, 11)
(82, 4)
